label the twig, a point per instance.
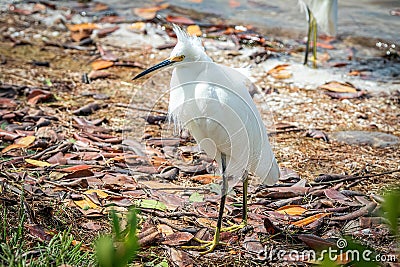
(122, 105)
(351, 178)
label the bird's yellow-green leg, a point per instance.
(312, 33)
(209, 246)
(315, 27)
(235, 227)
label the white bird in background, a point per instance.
(322, 13)
(213, 103)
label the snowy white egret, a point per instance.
(213, 103)
(322, 13)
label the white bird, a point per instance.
(213, 103)
(322, 13)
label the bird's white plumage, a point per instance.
(325, 13)
(213, 102)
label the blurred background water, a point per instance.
(364, 18)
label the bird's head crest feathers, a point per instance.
(184, 37)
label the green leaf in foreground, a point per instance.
(196, 197)
(391, 209)
(151, 204)
(119, 248)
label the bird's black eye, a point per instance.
(182, 57)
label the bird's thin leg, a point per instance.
(245, 186)
(315, 27)
(209, 246)
(235, 227)
(309, 16)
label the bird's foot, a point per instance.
(208, 246)
(234, 227)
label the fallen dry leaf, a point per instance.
(177, 239)
(138, 26)
(280, 72)
(149, 13)
(205, 178)
(99, 193)
(38, 163)
(102, 64)
(20, 143)
(82, 27)
(338, 87)
(194, 30)
(76, 168)
(311, 219)
(179, 20)
(291, 210)
(86, 204)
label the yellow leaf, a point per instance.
(20, 143)
(138, 26)
(311, 219)
(38, 163)
(26, 141)
(86, 204)
(291, 210)
(194, 30)
(100, 193)
(82, 27)
(10, 147)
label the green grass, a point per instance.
(17, 248)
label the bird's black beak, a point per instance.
(160, 65)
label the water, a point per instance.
(364, 18)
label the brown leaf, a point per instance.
(80, 35)
(179, 20)
(280, 72)
(20, 143)
(315, 242)
(149, 234)
(75, 168)
(82, 27)
(105, 31)
(149, 13)
(102, 64)
(165, 230)
(177, 239)
(87, 109)
(79, 174)
(311, 219)
(91, 226)
(180, 258)
(291, 210)
(335, 195)
(7, 103)
(355, 214)
(205, 178)
(283, 192)
(270, 227)
(38, 232)
(253, 245)
(346, 95)
(338, 87)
